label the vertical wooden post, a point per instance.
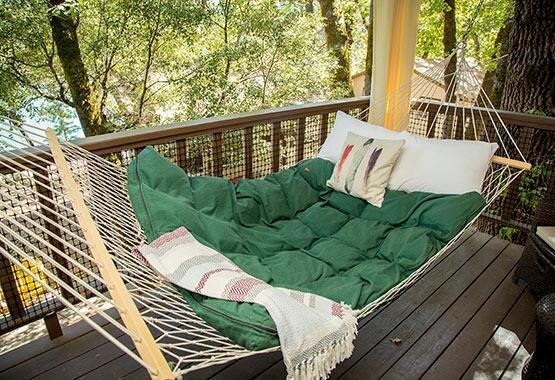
(130, 315)
(301, 130)
(53, 326)
(217, 159)
(8, 282)
(181, 153)
(247, 138)
(324, 128)
(42, 186)
(276, 131)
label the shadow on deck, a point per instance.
(464, 318)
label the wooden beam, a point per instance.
(130, 315)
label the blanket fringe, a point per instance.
(320, 365)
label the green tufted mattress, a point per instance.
(290, 230)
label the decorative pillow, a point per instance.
(331, 149)
(441, 166)
(364, 167)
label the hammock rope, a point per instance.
(40, 219)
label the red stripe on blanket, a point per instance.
(166, 238)
(241, 288)
(207, 275)
(336, 309)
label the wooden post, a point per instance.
(324, 128)
(276, 132)
(301, 129)
(53, 326)
(247, 136)
(217, 159)
(181, 153)
(42, 186)
(130, 315)
(8, 282)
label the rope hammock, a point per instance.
(61, 201)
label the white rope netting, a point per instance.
(38, 223)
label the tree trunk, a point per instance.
(530, 82)
(309, 6)
(337, 40)
(494, 79)
(369, 51)
(449, 43)
(64, 34)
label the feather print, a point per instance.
(358, 155)
(344, 156)
(372, 162)
(368, 142)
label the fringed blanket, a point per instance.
(315, 333)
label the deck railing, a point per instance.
(254, 144)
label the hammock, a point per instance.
(61, 202)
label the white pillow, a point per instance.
(441, 166)
(425, 164)
(333, 146)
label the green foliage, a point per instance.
(481, 40)
(507, 233)
(161, 61)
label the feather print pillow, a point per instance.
(364, 167)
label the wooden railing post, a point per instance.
(247, 137)
(324, 127)
(301, 129)
(217, 159)
(43, 188)
(276, 133)
(181, 153)
(8, 282)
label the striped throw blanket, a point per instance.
(315, 333)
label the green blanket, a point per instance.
(290, 230)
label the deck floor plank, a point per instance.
(379, 325)
(501, 347)
(385, 353)
(431, 344)
(453, 361)
(457, 303)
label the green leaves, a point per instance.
(69, 8)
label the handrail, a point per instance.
(110, 142)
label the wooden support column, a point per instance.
(53, 326)
(301, 129)
(247, 138)
(395, 29)
(8, 282)
(276, 133)
(217, 159)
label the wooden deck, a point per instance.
(464, 319)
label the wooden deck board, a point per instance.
(453, 321)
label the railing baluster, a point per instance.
(43, 189)
(217, 161)
(8, 282)
(324, 127)
(430, 124)
(247, 136)
(301, 128)
(276, 131)
(181, 153)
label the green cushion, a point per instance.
(290, 230)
